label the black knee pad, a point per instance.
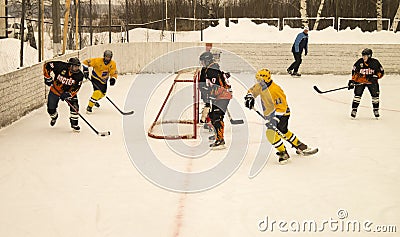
(216, 115)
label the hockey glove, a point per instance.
(351, 84)
(65, 95)
(112, 81)
(249, 101)
(272, 121)
(48, 81)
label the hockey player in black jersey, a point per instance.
(215, 90)
(66, 83)
(366, 73)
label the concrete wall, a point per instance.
(23, 91)
(20, 92)
(322, 59)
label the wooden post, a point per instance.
(40, 29)
(66, 21)
(21, 52)
(77, 25)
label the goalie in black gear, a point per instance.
(215, 90)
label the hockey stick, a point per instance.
(340, 88)
(272, 126)
(304, 152)
(119, 110)
(322, 92)
(234, 121)
(103, 134)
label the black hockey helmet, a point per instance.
(74, 62)
(206, 58)
(108, 53)
(367, 52)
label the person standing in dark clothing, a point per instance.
(365, 74)
(300, 43)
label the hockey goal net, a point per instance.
(178, 115)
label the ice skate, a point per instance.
(376, 113)
(283, 157)
(53, 119)
(89, 110)
(353, 113)
(97, 104)
(75, 128)
(304, 150)
(218, 145)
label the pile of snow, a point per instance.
(10, 54)
(246, 31)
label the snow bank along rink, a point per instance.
(54, 182)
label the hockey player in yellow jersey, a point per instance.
(104, 69)
(276, 113)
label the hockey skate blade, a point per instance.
(308, 153)
(216, 148)
(283, 162)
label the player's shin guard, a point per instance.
(97, 95)
(290, 137)
(375, 106)
(74, 121)
(356, 102)
(219, 129)
(275, 140)
(296, 143)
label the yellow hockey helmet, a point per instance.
(264, 75)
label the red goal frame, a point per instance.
(193, 121)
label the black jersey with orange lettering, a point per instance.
(364, 70)
(216, 81)
(64, 79)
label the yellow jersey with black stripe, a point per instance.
(273, 99)
(101, 71)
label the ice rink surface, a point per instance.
(54, 182)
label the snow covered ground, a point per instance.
(54, 182)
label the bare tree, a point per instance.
(396, 19)
(303, 12)
(321, 6)
(379, 15)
